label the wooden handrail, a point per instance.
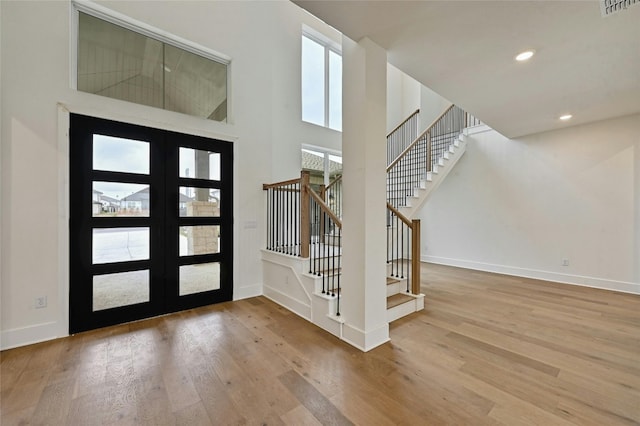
(400, 215)
(405, 120)
(323, 206)
(335, 181)
(407, 149)
(266, 186)
(283, 189)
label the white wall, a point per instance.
(522, 206)
(403, 96)
(288, 129)
(262, 39)
(431, 106)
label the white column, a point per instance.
(364, 104)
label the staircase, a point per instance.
(303, 258)
(422, 166)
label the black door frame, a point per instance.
(163, 221)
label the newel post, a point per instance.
(415, 256)
(305, 237)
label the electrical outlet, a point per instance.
(565, 262)
(41, 302)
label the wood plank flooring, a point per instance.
(487, 350)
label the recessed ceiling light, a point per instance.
(566, 117)
(525, 55)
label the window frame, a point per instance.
(126, 22)
(329, 46)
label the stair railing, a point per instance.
(325, 254)
(288, 216)
(300, 223)
(332, 195)
(472, 121)
(403, 248)
(400, 137)
(419, 158)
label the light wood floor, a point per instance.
(488, 349)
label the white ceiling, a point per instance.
(584, 65)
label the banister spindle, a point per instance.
(402, 250)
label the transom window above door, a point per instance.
(119, 60)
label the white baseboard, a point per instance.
(31, 334)
(299, 308)
(52, 330)
(365, 341)
(601, 283)
(247, 291)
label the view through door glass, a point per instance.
(150, 222)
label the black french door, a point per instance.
(151, 222)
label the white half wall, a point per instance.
(523, 206)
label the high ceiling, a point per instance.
(585, 65)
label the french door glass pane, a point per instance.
(199, 164)
(201, 239)
(202, 202)
(120, 244)
(120, 289)
(120, 155)
(199, 277)
(117, 199)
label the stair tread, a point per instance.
(397, 299)
(329, 272)
(330, 293)
(391, 280)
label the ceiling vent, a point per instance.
(609, 7)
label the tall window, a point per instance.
(321, 83)
(133, 66)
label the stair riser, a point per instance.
(396, 288)
(329, 281)
(397, 312)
